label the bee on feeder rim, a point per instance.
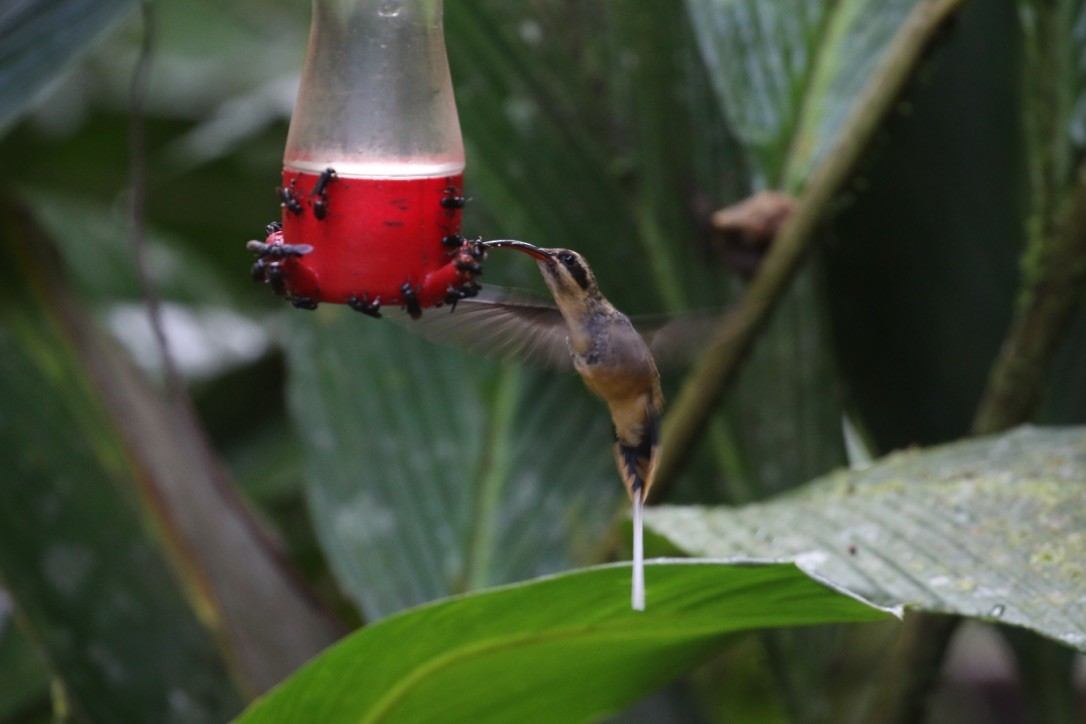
(288, 201)
(369, 307)
(320, 206)
(410, 300)
(270, 256)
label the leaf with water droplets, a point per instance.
(993, 529)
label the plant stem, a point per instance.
(137, 170)
(716, 370)
(911, 669)
(1054, 278)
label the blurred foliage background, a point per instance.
(353, 470)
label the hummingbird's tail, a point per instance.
(637, 588)
(637, 463)
(637, 466)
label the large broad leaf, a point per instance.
(426, 474)
(529, 151)
(39, 38)
(542, 172)
(788, 73)
(566, 648)
(993, 529)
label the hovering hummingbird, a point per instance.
(612, 358)
(582, 327)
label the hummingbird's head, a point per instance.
(566, 272)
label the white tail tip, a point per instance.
(637, 593)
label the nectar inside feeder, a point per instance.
(373, 170)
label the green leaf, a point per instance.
(603, 141)
(678, 154)
(97, 252)
(531, 149)
(424, 470)
(787, 74)
(565, 648)
(791, 77)
(204, 518)
(993, 528)
(40, 38)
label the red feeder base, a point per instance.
(369, 242)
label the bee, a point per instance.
(320, 206)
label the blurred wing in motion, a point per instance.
(514, 325)
(510, 325)
(676, 340)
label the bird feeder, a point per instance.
(373, 170)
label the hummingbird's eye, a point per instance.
(576, 269)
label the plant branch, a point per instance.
(137, 171)
(1054, 277)
(719, 365)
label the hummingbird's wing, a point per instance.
(511, 325)
(676, 340)
(515, 325)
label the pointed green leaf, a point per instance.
(787, 74)
(565, 648)
(993, 528)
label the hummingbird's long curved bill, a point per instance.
(524, 246)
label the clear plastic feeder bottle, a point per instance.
(373, 169)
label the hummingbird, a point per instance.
(611, 357)
(582, 327)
